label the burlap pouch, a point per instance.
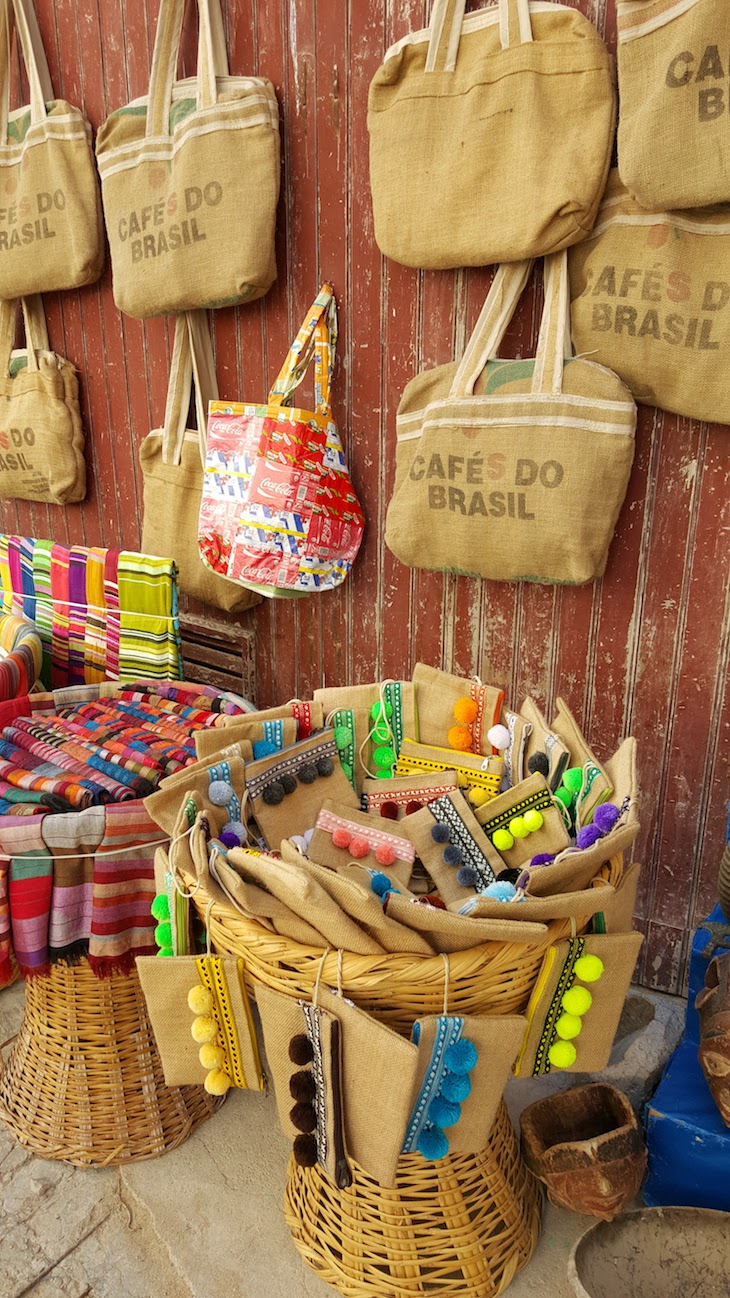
(581, 906)
(532, 794)
(560, 973)
(242, 735)
(190, 179)
(166, 984)
(397, 797)
(383, 839)
(437, 692)
(51, 234)
(316, 1125)
(448, 932)
(673, 146)
(459, 842)
(349, 708)
(477, 782)
(619, 907)
(647, 290)
(357, 905)
(515, 754)
(446, 195)
(596, 787)
(496, 1042)
(308, 715)
(196, 780)
(477, 491)
(172, 459)
(542, 739)
(296, 811)
(43, 458)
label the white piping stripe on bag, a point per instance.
(472, 23)
(653, 24)
(519, 421)
(157, 155)
(662, 218)
(476, 403)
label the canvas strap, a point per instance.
(554, 343)
(212, 60)
(447, 17)
(316, 339)
(504, 294)
(23, 15)
(36, 332)
(192, 364)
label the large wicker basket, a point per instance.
(463, 1225)
(84, 1080)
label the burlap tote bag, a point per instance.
(455, 712)
(405, 794)
(576, 1004)
(478, 776)
(50, 224)
(215, 783)
(454, 849)
(448, 191)
(370, 723)
(524, 822)
(673, 145)
(447, 931)
(651, 300)
(42, 447)
(201, 1017)
(173, 462)
(190, 179)
(343, 837)
(498, 462)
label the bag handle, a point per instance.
(34, 58)
(36, 331)
(554, 342)
(192, 363)
(504, 294)
(212, 60)
(445, 27)
(317, 337)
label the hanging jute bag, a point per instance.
(513, 470)
(50, 219)
(462, 117)
(41, 442)
(173, 462)
(673, 139)
(190, 179)
(651, 300)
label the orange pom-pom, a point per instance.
(465, 711)
(461, 738)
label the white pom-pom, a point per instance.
(498, 737)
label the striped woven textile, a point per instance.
(100, 614)
(22, 656)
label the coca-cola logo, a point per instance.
(274, 488)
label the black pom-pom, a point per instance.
(510, 875)
(413, 806)
(307, 773)
(303, 1117)
(288, 782)
(467, 877)
(300, 1050)
(325, 766)
(273, 793)
(302, 1087)
(440, 833)
(389, 810)
(453, 855)
(305, 1151)
(538, 763)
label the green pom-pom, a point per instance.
(564, 796)
(343, 736)
(347, 770)
(163, 935)
(165, 951)
(573, 778)
(376, 711)
(160, 907)
(384, 756)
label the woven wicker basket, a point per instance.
(463, 1225)
(496, 978)
(84, 1081)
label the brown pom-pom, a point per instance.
(300, 1050)
(305, 1151)
(303, 1117)
(302, 1087)
(389, 811)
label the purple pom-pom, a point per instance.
(229, 840)
(587, 836)
(542, 858)
(605, 817)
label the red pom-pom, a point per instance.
(389, 810)
(384, 854)
(412, 807)
(359, 847)
(341, 837)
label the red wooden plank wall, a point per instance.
(644, 652)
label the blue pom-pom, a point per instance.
(453, 855)
(456, 1087)
(461, 1057)
(380, 883)
(605, 817)
(263, 748)
(440, 833)
(432, 1144)
(235, 827)
(220, 792)
(442, 1113)
(467, 877)
(500, 890)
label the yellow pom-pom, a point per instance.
(460, 738)
(589, 968)
(211, 1056)
(466, 711)
(568, 1026)
(200, 1000)
(502, 840)
(533, 820)
(217, 1082)
(577, 1000)
(477, 796)
(518, 828)
(203, 1030)
(562, 1054)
